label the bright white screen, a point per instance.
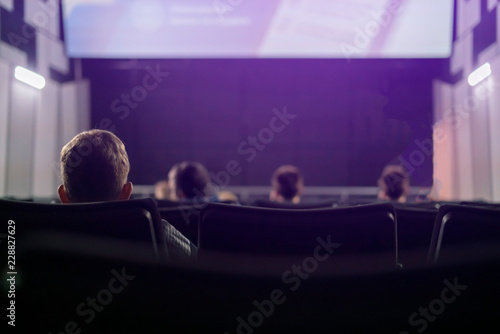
(258, 28)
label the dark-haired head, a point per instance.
(394, 184)
(287, 184)
(191, 180)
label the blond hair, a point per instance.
(94, 166)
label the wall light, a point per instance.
(29, 77)
(479, 75)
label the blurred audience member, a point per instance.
(192, 182)
(394, 184)
(189, 183)
(227, 197)
(286, 185)
(162, 190)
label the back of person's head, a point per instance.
(394, 183)
(287, 184)
(191, 180)
(94, 167)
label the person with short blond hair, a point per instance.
(95, 167)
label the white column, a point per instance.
(494, 127)
(5, 84)
(21, 140)
(463, 142)
(445, 171)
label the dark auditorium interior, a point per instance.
(379, 114)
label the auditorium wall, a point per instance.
(34, 123)
(467, 119)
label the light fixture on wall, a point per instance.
(29, 77)
(479, 75)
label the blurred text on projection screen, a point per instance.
(258, 29)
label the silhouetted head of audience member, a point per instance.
(94, 167)
(394, 184)
(191, 181)
(287, 184)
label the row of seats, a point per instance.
(410, 235)
(424, 232)
(94, 268)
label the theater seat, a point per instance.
(88, 225)
(351, 232)
(464, 232)
(415, 225)
(264, 203)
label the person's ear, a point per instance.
(63, 196)
(126, 191)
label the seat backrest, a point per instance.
(463, 230)
(359, 199)
(136, 221)
(415, 225)
(165, 203)
(364, 229)
(481, 204)
(264, 203)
